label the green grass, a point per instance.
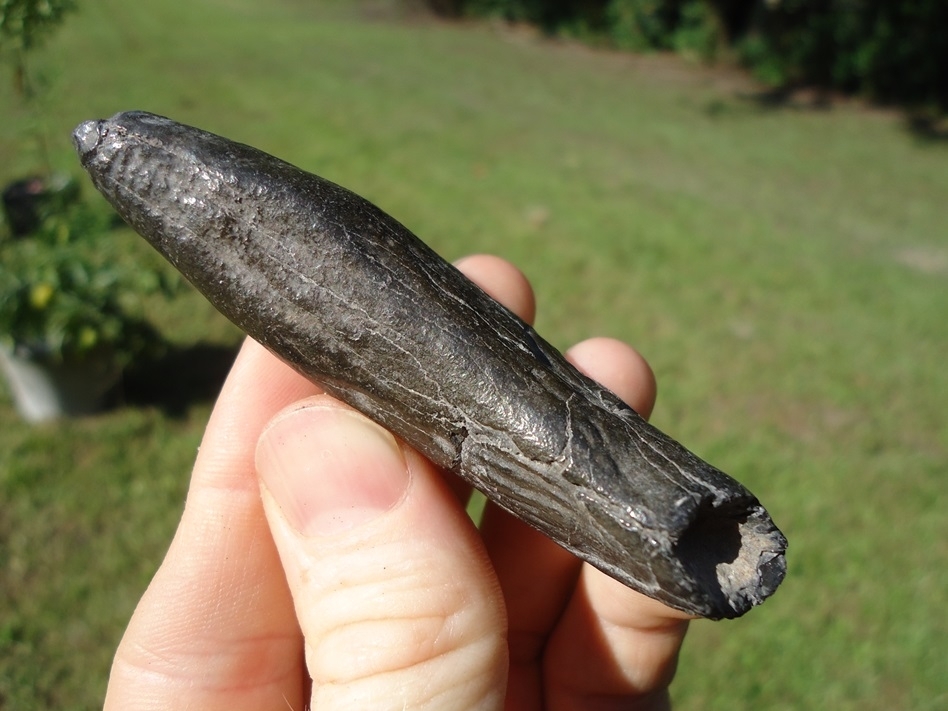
(784, 270)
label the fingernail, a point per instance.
(330, 469)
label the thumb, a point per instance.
(398, 605)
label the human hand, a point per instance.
(321, 563)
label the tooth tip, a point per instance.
(86, 137)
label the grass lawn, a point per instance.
(785, 270)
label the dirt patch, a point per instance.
(926, 259)
(660, 67)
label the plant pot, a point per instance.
(27, 202)
(44, 389)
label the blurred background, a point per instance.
(753, 193)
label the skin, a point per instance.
(320, 563)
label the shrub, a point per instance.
(64, 292)
(890, 51)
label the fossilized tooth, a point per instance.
(354, 301)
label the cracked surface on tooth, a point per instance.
(354, 301)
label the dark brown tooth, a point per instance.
(354, 301)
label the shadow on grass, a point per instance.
(928, 125)
(791, 97)
(179, 378)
